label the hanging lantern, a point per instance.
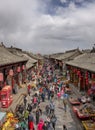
(80, 77)
(1, 77)
(11, 72)
(75, 70)
(86, 82)
(18, 69)
(86, 73)
(93, 76)
(23, 67)
(78, 72)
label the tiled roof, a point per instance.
(37, 57)
(84, 61)
(19, 52)
(30, 62)
(68, 55)
(7, 57)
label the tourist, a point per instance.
(40, 125)
(37, 116)
(65, 104)
(64, 127)
(53, 121)
(30, 121)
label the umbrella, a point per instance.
(65, 95)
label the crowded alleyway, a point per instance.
(44, 95)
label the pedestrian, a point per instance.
(53, 121)
(29, 89)
(43, 96)
(65, 104)
(37, 116)
(30, 121)
(26, 113)
(48, 119)
(40, 125)
(45, 126)
(40, 110)
(52, 107)
(48, 92)
(29, 107)
(64, 127)
(58, 97)
(31, 125)
(23, 124)
(47, 109)
(35, 101)
(25, 100)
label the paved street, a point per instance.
(68, 118)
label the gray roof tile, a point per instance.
(7, 57)
(85, 61)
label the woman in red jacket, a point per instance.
(31, 125)
(40, 125)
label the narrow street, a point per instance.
(68, 118)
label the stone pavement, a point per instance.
(68, 118)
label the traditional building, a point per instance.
(12, 68)
(31, 64)
(82, 70)
(61, 58)
(37, 57)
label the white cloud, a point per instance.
(26, 24)
(63, 1)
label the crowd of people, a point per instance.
(49, 87)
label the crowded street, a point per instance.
(47, 65)
(36, 105)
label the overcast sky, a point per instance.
(47, 26)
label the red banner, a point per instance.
(1, 77)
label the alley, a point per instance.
(67, 118)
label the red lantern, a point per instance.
(86, 73)
(18, 69)
(1, 77)
(11, 72)
(80, 77)
(86, 82)
(23, 67)
(93, 76)
(78, 73)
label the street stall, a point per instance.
(89, 125)
(76, 108)
(74, 101)
(85, 111)
(6, 96)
